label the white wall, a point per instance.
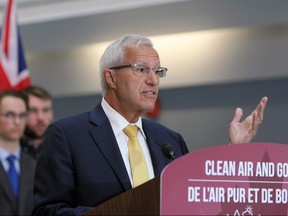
(193, 59)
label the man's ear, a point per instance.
(109, 76)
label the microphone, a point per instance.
(168, 151)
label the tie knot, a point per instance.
(11, 158)
(131, 131)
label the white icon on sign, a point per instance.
(248, 211)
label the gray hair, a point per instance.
(114, 53)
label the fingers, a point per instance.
(258, 113)
(238, 115)
(247, 129)
(261, 108)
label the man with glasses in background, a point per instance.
(90, 158)
(16, 167)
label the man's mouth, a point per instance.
(149, 92)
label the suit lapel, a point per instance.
(104, 137)
(26, 182)
(158, 160)
(7, 188)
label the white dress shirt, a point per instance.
(3, 158)
(118, 123)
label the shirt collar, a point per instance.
(4, 153)
(117, 121)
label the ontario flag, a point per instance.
(13, 69)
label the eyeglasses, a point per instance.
(143, 70)
(11, 116)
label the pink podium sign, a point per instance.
(245, 179)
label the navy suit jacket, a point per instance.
(24, 205)
(81, 166)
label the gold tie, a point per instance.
(138, 164)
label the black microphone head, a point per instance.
(168, 151)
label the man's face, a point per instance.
(40, 115)
(136, 93)
(13, 118)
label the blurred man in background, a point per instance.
(16, 166)
(40, 115)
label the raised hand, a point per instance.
(244, 131)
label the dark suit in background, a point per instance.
(81, 165)
(24, 205)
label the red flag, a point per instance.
(13, 69)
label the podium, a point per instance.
(246, 179)
(142, 200)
